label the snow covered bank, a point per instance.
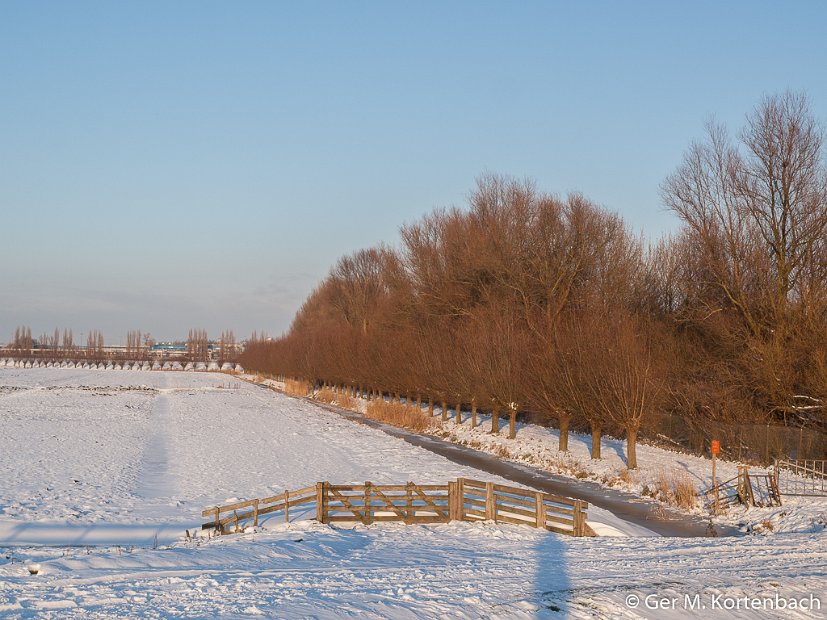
(659, 470)
(100, 470)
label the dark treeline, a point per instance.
(532, 304)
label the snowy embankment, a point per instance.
(103, 472)
(657, 473)
(658, 470)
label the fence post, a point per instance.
(490, 503)
(452, 501)
(366, 515)
(461, 499)
(578, 517)
(541, 509)
(409, 502)
(255, 513)
(320, 508)
(287, 506)
(218, 520)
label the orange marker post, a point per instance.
(715, 448)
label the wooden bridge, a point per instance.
(461, 500)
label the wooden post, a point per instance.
(490, 503)
(218, 520)
(320, 507)
(748, 485)
(473, 413)
(452, 501)
(255, 513)
(409, 510)
(541, 510)
(287, 506)
(578, 518)
(460, 499)
(366, 515)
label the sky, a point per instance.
(172, 165)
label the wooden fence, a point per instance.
(460, 500)
(749, 489)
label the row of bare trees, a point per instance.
(524, 303)
(528, 302)
(23, 344)
(138, 346)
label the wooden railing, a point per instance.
(460, 500)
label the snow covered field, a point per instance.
(103, 471)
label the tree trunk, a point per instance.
(458, 417)
(565, 420)
(512, 423)
(419, 401)
(495, 420)
(473, 413)
(596, 440)
(444, 411)
(430, 406)
(631, 448)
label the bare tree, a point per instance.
(756, 215)
(68, 342)
(197, 345)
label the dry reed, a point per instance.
(676, 489)
(297, 388)
(398, 414)
(327, 395)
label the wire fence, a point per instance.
(751, 443)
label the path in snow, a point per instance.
(154, 481)
(626, 506)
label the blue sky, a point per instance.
(167, 165)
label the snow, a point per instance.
(105, 471)
(538, 446)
